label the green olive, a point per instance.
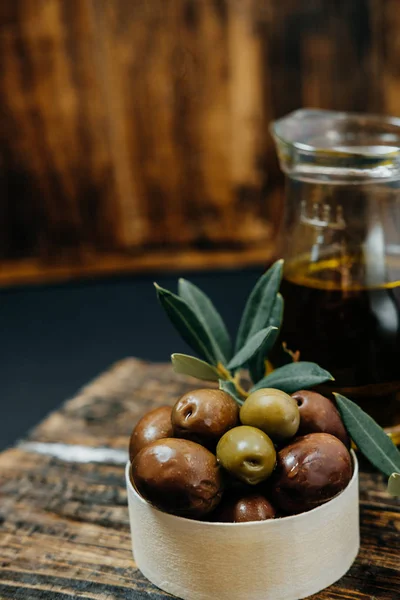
(248, 453)
(272, 411)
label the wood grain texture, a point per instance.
(26, 271)
(131, 129)
(64, 529)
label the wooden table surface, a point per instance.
(64, 530)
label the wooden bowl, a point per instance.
(280, 559)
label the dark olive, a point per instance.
(244, 508)
(273, 411)
(204, 415)
(155, 425)
(310, 471)
(248, 453)
(178, 476)
(319, 415)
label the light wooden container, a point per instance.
(282, 559)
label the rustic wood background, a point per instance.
(64, 527)
(133, 133)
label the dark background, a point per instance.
(56, 338)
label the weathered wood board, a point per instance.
(134, 134)
(64, 530)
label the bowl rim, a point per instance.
(269, 522)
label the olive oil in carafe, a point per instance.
(351, 330)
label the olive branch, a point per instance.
(269, 363)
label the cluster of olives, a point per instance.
(204, 458)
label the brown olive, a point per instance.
(244, 508)
(273, 411)
(310, 471)
(155, 425)
(319, 415)
(204, 415)
(178, 476)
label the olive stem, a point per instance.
(294, 354)
(268, 367)
(235, 380)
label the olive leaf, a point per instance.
(369, 437)
(259, 305)
(230, 388)
(394, 484)
(293, 377)
(187, 324)
(250, 348)
(190, 365)
(207, 315)
(257, 364)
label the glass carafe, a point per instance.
(341, 243)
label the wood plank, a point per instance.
(58, 169)
(115, 139)
(132, 128)
(77, 515)
(33, 270)
(64, 529)
(93, 419)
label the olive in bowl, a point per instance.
(155, 425)
(244, 508)
(248, 453)
(310, 471)
(273, 411)
(178, 476)
(318, 414)
(204, 415)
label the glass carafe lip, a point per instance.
(337, 146)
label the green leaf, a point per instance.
(187, 324)
(208, 316)
(276, 315)
(257, 364)
(259, 305)
(371, 440)
(250, 348)
(293, 377)
(229, 387)
(394, 484)
(190, 365)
